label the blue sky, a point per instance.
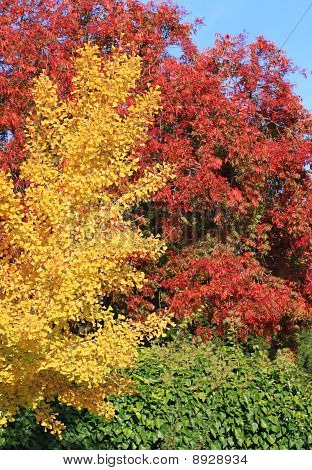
(273, 19)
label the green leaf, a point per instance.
(127, 432)
(254, 427)
(201, 396)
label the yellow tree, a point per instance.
(65, 244)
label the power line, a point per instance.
(297, 24)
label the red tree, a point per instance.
(239, 138)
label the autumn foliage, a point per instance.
(239, 138)
(237, 216)
(218, 290)
(65, 245)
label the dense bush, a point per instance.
(192, 397)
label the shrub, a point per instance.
(191, 397)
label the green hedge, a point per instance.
(191, 397)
